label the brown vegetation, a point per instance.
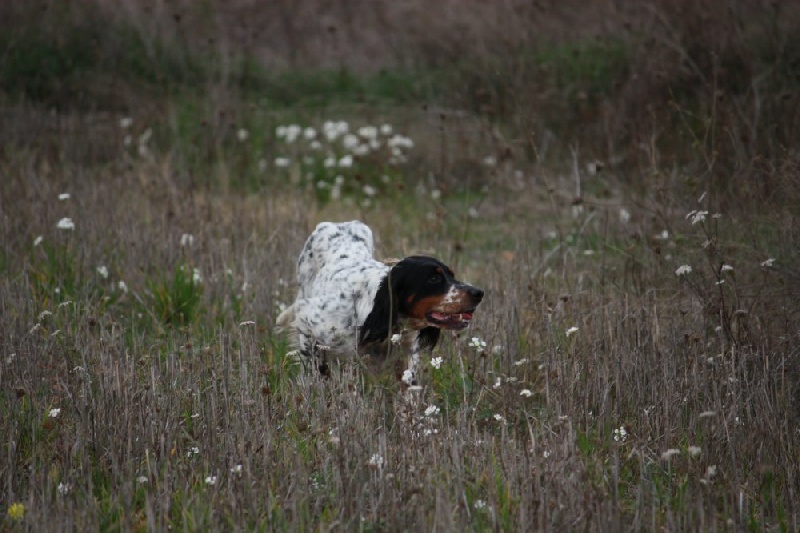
(570, 159)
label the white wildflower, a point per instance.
(247, 323)
(526, 393)
(376, 460)
(768, 263)
(436, 362)
(368, 132)
(242, 135)
(624, 215)
(369, 190)
(479, 505)
(386, 129)
(122, 286)
(334, 130)
(293, 131)
(697, 216)
(141, 479)
(521, 362)
(346, 161)
(408, 377)
(102, 270)
(490, 160)
(309, 134)
(396, 338)
(44, 314)
(431, 410)
(194, 450)
(282, 162)
(125, 122)
(667, 455)
(694, 451)
(498, 417)
(477, 343)
(38, 240)
(196, 276)
(63, 196)
(400, 141)
(187, 239)
(54, 412)
(726, 268)
(350, 141)
(572, 331)
(63, 488)
(211, 480)
(66, 224)
(683, 270)
(620, 434)
(237, 470)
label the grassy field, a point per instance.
(623, 182)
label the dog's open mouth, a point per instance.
(450, 320)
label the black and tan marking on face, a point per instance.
(429, 292)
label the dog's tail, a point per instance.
(285, 319)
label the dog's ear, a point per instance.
(383, 316)
(389, 305)
(428, 337)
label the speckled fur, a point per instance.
(338, 300)
(338, 279)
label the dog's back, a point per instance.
(331, 243)
(338, 278)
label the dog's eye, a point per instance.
(434, 279)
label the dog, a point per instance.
(351, 305)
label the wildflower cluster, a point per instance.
(376, 461)
(335, 158)
(477, 343)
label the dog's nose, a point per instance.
(475, 293)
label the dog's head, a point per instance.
(427, 290)
(424, 291)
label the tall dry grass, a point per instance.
(612, 392)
